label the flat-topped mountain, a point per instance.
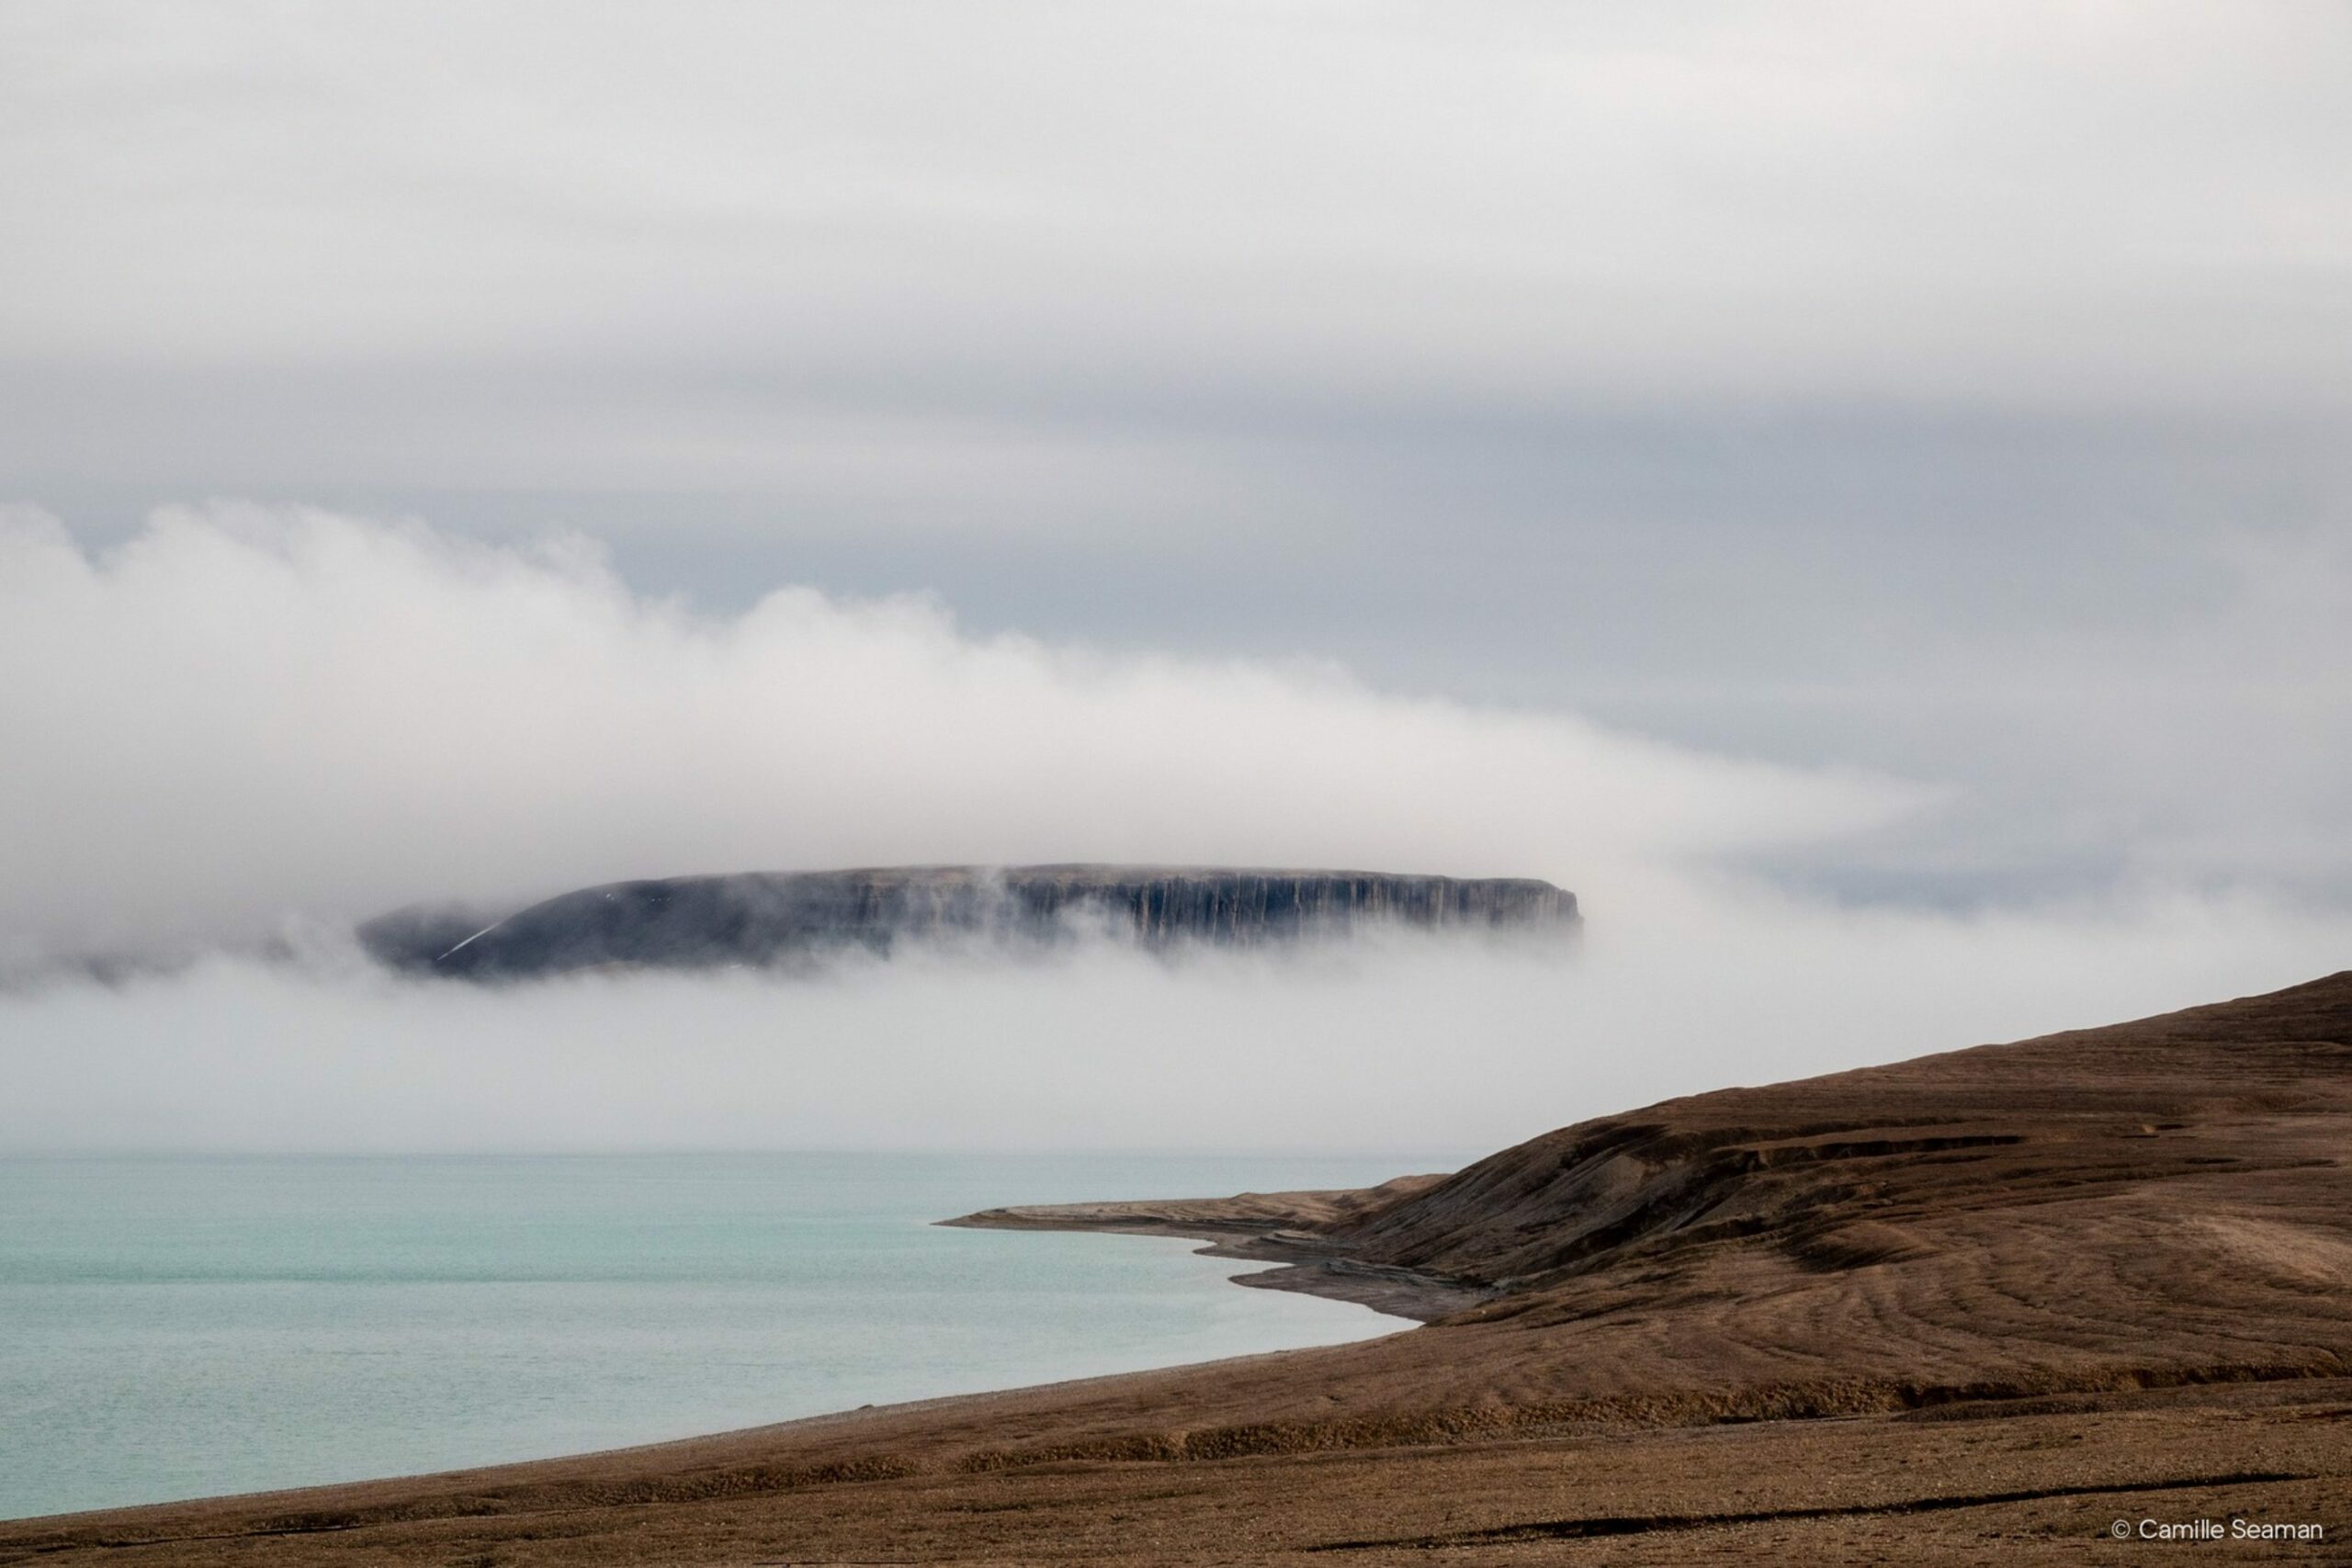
(775, 917)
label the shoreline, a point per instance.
(989, 1331)
(1973, 1306)
(1285, 1229)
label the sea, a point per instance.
(179, 1326)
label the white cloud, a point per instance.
(1297, 293)
(246, 716)
(243, 717)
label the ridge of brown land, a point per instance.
(1300, 1231)
(1968, 1307)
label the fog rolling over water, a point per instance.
(1405, 1042)
(247, 728)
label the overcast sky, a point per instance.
(1958, 391)
(1878, 458)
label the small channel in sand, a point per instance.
(178, 1326)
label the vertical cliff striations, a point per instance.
(775, 917)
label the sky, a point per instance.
(1851, 490)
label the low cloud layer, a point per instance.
(245, 721)
(1432, 1050)
(1841, 465)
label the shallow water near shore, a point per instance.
(181, 1327)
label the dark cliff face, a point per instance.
(778, 917)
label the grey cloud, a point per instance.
(1901, 388)
(243, 715)
(1973, 202)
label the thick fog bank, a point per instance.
(243, 728)
(1416, 1042)
(246, 718)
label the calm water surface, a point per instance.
(174, 1327)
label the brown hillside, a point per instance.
(1968, 1306)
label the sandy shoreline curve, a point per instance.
(1291, 1230)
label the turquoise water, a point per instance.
(174, 1327)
